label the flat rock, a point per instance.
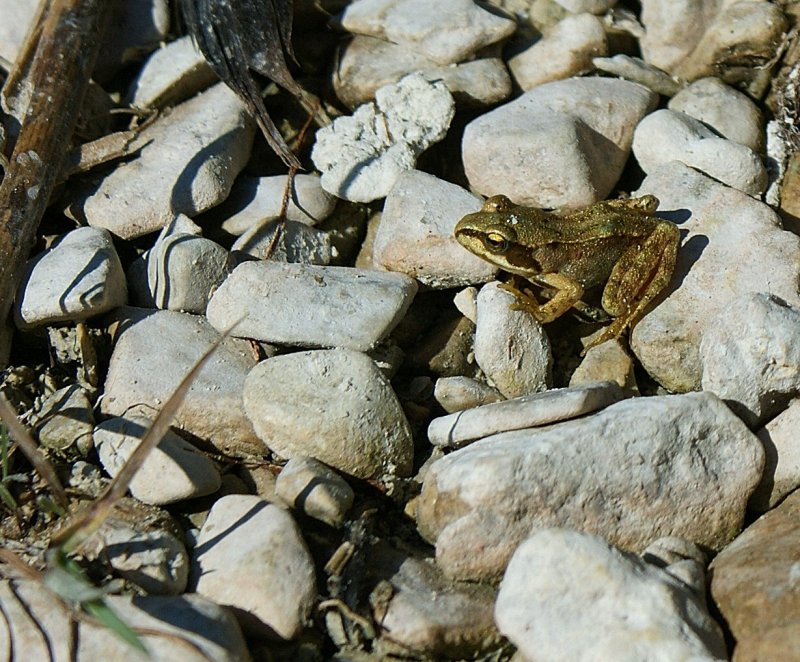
(415, 236)
(334, 406)
(755, 588)
(79, 277)
(637, 70)
(296, 242)
(721, 227)
(459, 393)
(636, 471)
(572, 596)
(296, 304)
(315, 489)
(168, 177)
(529, 411)
(782, 465)
(562, 144)
(251, 557)
(155, 350)
(66, 420)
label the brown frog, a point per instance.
(616, 243)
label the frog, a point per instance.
(618, 244)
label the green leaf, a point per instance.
(103, 613)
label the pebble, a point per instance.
(466, 301)
(448, 32)
(591, 6)
(673, 29)
(636, 70)
(250, 556)
(415, 236)
(459, 393)
(78, 278)
(153, 352)
(722, 227)
(463, 427)
(564, 50)
(683, 560)
(315, 489)
(511, 347)
(563, 144)
(638, 470)
(296, 242)
(782, 466)
(312, 306)
(754, 585)
(608, 361)
(667, 135)
(331, 405)
(168, 177)
(173, 471)
(362, 155)
(66, 421)
(568, 595)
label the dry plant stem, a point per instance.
(53, 78)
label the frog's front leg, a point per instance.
(567, 293)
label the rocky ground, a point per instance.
(384, 460)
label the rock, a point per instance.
(460, 393)
(556, 577)
(636, 70)
(563, 144)
(608, 361)
(592, 6)
(448, 32)
(297, 304)
(782, 465)
(296, 243)
(415, 236)
(461, 428)
(315, 489)
(722, 227)
(729, 112)
(78, 278)
(466, 301)
(683, 560)
(334, 406)
(251, 557)
(173, 471)
(638, 470)
(65, 420)
(666, 135)
(17, 16)
(564, 50)
(362, 155)
(154, 351)
(168, 177)
(511, 347)
(754, 585)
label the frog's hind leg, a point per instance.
(566, 293)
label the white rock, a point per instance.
(79, 277)
(563, 144)
(362, 155)
(782, 467)
(726, 110)
(154, 351)
(571, 596)
(250, 556)
(448, 31)
(459, 393)
(565, 49)
(173, 471)
(65, 420)
(296, 242)
(459, 429)
(637, 70)
(315, 489)
(592, 6)
(608, 361)
(298, 304)
(511, 347)
(169, 177)
(638, 470)
(466, 301)
(334, 406)
(683, 560)
(17, 16)
(723, 227)
(666, 135)
(415, 236)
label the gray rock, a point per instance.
(17, 16)
(79, 277)
(296, 242)
(563, 144)
(461, 428)
(782, 466)
(723, 227)
(459, 393)
(636, 471)
(315, 489)
(173, 471)
(297, 304)
(250, 556)
(683, 560)
(571, 596)
(637, 70)
(592, 6)
(415, 236)
(66, 420)
(334, 406)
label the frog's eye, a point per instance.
(496, 242)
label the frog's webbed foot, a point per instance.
(567, 293)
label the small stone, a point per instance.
(608, 361)
(173, 471)
(459, 393)
(296, 304)
(683, 560)
(782, 466)
(334, 406)
(466, 301)
(296, 243)
(511, 347)
(315, 489)
(250, 556)
(636, 70)
(78, 278)
(592, 6)
(66, 420)
(543, 605)
(463, 427)
(415, 236)
(362, 155)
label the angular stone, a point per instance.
(315, 489)
(296, 242)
